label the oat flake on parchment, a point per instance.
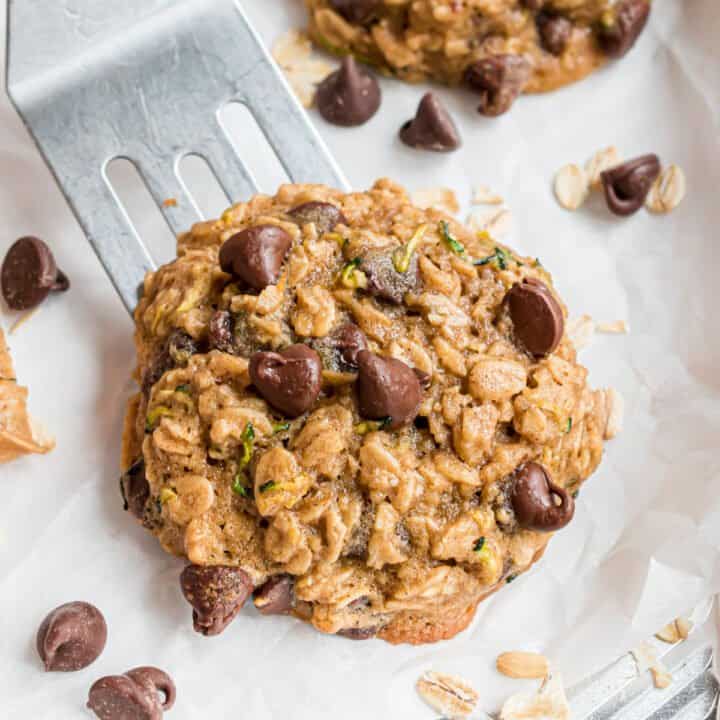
(496, 223)
(439, 198)
(580, 330)
(548, 703)
(571, 186)
(602, 160)
(449, 695)
(483, 195)
(615, 327)
(668, 190)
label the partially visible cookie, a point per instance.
(498, 48)
(368, 413)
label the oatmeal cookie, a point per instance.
(498, 48)
(361, 412)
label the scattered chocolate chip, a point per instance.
(538, 503)
(383, 279)
(626, 186)
(621, 25)
(554, 31)
(387, 388)
(135, 695)
(355, 11)
(135, 488)
(276, 596)
(289, 380)
(432, 128)
(256, 255)
(221, 332)
(71, 637)
(29, 273)
(349, 96)
(349, 340)
(217, 593)
(364, 633)
(537, 317)
(324, 215)
(499, 79)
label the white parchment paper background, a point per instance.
(645, 543)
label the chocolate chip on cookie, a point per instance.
(554, 32)
(256, 255)
(135, 489)
(178, 348)
(357, 633)
(499, 79)
(432, 128)
(276, 596)
(538, 503)
(325, 216)
(71, 637)
(385, 281)
(349, 340)
(626, 186)
(29, 273)
(135, 695)
(289, 380)
(355, 11)
(217, 593)
(537, 317)
(221, 332)
(387, 389)
(349, 96)
(620, 26)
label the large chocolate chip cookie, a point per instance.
(359, 412)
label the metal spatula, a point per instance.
(146, 80)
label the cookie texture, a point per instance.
(555, 42)
(395, 523)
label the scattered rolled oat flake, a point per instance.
(661, 677)
(602, 160)
(616, 327)
(496, 223)
(646, 659)
(549, 702)
(438, 198)
(580, 331)
(668, 190)
(615, 411)
(291, 48)
(449, 695)
(483, 195)
(22, 319)
(518, 664)
(677, 630)
(571, 186)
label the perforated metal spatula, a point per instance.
(146, 80)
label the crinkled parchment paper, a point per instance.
(645, 544)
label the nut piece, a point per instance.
(451, 696)
(668, 191)
(217, 594)
(602, 160)
(523, 665)
(71, 637)
(677, 630)
(571, 186)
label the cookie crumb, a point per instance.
(449, 695)
(571, 186)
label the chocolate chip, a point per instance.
(364, 633)
(554, 31)
(217, 594)
(534, 4)
(135, 488)
(538, 503)
(349, 96)
(499, 79)
(135, 695)
(71, 637)
(324, 215)
(626, 186)
(221, 332)
(177, 350)
(29, 273)
(289, 380)
(537, 317)
(384, 280)
(349, 340)
(432, 128)
(355, 11)
(621, 25)
(387, 388)
(256, 255)
(276, 596)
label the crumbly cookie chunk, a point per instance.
(499, 48)
(363, 409)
